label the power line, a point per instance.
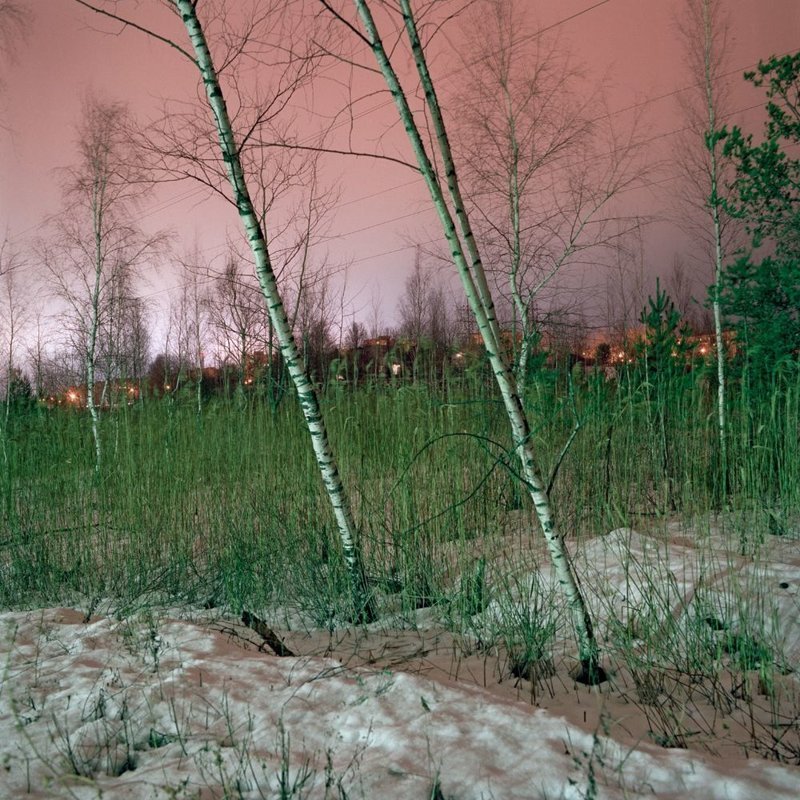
(199, 191)
(639, 104)
(161, 207)
(466, 65)
(346, 234)
(333, 237)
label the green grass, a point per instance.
(227, 508)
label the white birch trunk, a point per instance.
(307, 396)
(9, 367)
(480, 301)
(715, 203)
(12, 326)
(198, 357)
(94, 318)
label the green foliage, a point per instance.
(666, 334)
(664, 356)
(20, 394)
(765, 299)
(762, 288)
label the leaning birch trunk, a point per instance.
(309, 402)
(481, 304)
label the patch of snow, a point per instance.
(177, 710)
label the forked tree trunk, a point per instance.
(306, 393)
(470, 268)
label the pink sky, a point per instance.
(632, 42)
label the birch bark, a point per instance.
(94, 317)
(704, 29)
(712, 142)
(306, 393)
(466, 257)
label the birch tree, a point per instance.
(14, 308)
(15, 19)
(95, 248)
(446, 194)
(191, 315)
(542, 163)
(703, 28)
(261, 28)
(14, 311)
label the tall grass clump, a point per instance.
(225, 508)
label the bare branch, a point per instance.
(127, 23)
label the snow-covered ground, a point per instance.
(168, 708)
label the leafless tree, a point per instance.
(123, 338)
(704, 28)
(426, 290)
(14, 301)
(376, 321)
(396, 40)
(14, 315)
(36, 355)
(236, 314)
(246, 123)
(190, 317)
(54, 366)
(413, 306)
(355, 336)
(15, 20)
(680, 286)
(625, 287)
(542, 163)
(95, 249)
(439, 313)
(313, 320)
(424, 312)
(57, 369)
